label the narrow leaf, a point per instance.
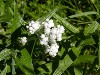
(99, 52)
(77, 71)
(88, 41)
(4, 53)
(16, 19)
(49, 15)
(4, 71)
(63, 65)
(13, 67)
(83, 14)
(84, 59)
(5, 18)
(66, 24)
(25, 63)
(91, 28)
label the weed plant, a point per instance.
(79, 49)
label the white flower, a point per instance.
(33, 27)
(47, 31)
(30, 28)
(44, 40)
(54, 31)
(53, 36)
(47, 19)
(59, 37)
(60, 29)
(50, 23)
(43, 36)
(23, 40)
(50, 36)
(53, 50)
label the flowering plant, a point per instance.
(49, 37)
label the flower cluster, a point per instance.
(33, 26)
(50, 36)
(23, 40)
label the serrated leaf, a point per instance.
(84, 59)
(25, 63)
(5, 53)
(63, 65)
(91, 28)
(4, 71)
(66, 24)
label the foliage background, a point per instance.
(79, 52)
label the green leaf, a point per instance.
(45, 68)
(63, 65)
(13, 67)
(77, 50)
(4, 71)
(25, 63)
(49, 15)
(2, 7)
(5, 18)
(5, 53)
(41, 62)
(99, 52)
(88, 41)
(91, 28)
(83, 14)
(84, 59)
(66, 24)
(77, 71)
(49, 66)
(60, 53)
(16, 19)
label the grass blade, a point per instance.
(83, 14)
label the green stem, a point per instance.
(33, 48)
